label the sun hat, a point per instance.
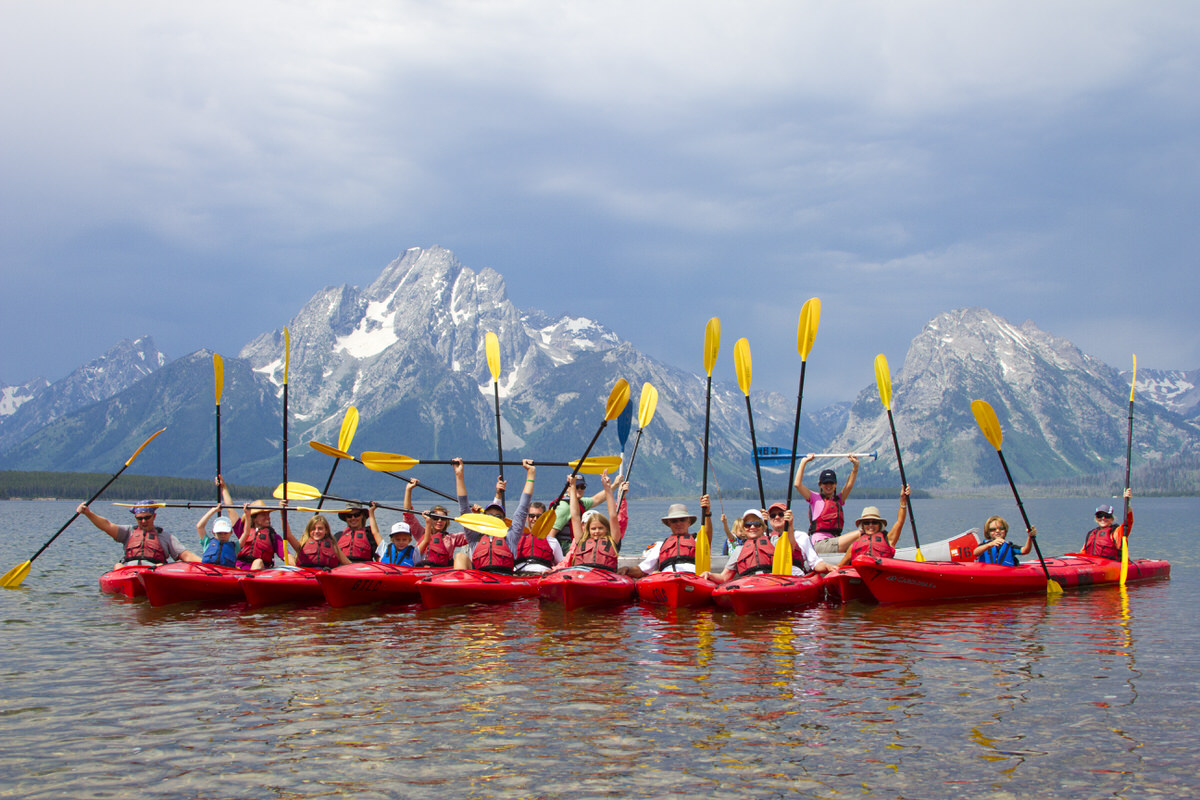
(344, 514)
(400, 527)
(222, 525)
(753, 512)
(871, 513)
(260, 507)
(678, 511)
(827, 476)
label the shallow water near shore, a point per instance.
(1089, 695)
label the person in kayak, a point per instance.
(434, 541)
(258, 540)
(1104, 540)
(562, 530)
(220, 548)
(677, 552)
(535, 556)
(825, 507)
(733, 536)
(870, 539)
(756, 553)
(400, 550)
(145, 542)
(361, 536)
(316, 548)
(997, 549)
(596, 540)
(488, 553)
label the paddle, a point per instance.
(483, 523)
(321, 447)
(345, 437)
(766, 454)
(13, 578)
(646, 406)
(624, 424)
(990, 425)
(712, 344)
(618, 398)
(287, 355)
(382, 462)
(1128, 461)
(491, 346)
(883, 378)
(744, 367)
(219, 383)
(806, 334)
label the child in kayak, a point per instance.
(1104, 540)
(489, 553)
(436, 544)
(677, 552)
(825, 507)
(997, 549)
(259, 542)
(220, 548)
(400, 550)
(596, 540)
(869, 538)
(316, 548)
(145, 543)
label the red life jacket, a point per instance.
(439, 553)
(756, 555)
(317, 553)
(145, 546)
(596, 552)
(358, 545)
(532, 550)
(260, 545)
(1102, 544)
(491, 554)
(830, 520)
(873, 544)
(677, 550)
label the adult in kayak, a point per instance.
(259, 542)
(145, 542)
(316, 548)
(361, 535)
(757, 552)
(436, 543)
(489, 553)
(825, 507)
(596, 538)
(535, 556)
(870, 538)
(677, 552)
(1104, 540)
(997, 549)
(400, 550)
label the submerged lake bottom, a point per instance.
(1091, 694)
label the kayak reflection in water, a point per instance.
(997, 549)
(145, 543)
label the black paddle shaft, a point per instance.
(499, 446)
(219, 497)
(1021, 506)
(912, 518)
(75, 516)
(762, 497)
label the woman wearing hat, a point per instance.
(826, 519)
(361, 535)
(145, 543)
(1104, 540)
(677, 552)
(870, 539)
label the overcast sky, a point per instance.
(196, 171)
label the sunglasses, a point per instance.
(776, 515)
(755, 524)
(144, 517)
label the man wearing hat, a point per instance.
(1104, 541)
(145, 543)
(826, 519)
(677, 552)
(361, 536)
(870, 538)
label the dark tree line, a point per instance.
(81, 485)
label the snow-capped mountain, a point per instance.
(1176, 389)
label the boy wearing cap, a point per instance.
(1104, 541)
(400, 550)
(145, 543)
(826, 519)
(220, 548)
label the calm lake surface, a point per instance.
(1093, 695)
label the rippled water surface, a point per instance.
(1090, 695)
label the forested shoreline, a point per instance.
(71, 485)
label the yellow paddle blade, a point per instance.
(1124, 559)
(143, 447)
(491, 346)
(349, 426)
(597, 464)
(218, 375)
(321, 447)
(986, 418)
(648, 403)
(703, 551)
(1053, 587)
(12, 579)
(287, 354)
(141, 505)
(1133, 382)
(712, 343)
(387, 462)
(297, 491)
(618, 398)
(810, 320)
(545, 523)
(883, 379)
(484, 523)
(920, 555)
(781, 562)
(741, 363)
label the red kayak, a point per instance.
(459, 587)
(893, 581)
(577, 587)
(373, 582)
(765, 592)
(845, 584)
(124, 580)
(191, 580)
(675, 589)
(269, 587)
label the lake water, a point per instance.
(1092, 695)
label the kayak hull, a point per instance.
(270, 587)
(124, 580)
(581, 587)
(766, 592)
(183, 581)
(460, 587)
(373, 582)
(844, 585)
(675, 589)
(893, 581)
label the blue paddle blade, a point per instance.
(624, 423)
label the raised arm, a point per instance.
(374, 525)
(460, 486)
(850, 481)
(100, 522)
(804, 491)
(894, 534)
(202, 525)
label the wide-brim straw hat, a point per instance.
(871, 513)
(344, 514)
(678, 511)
